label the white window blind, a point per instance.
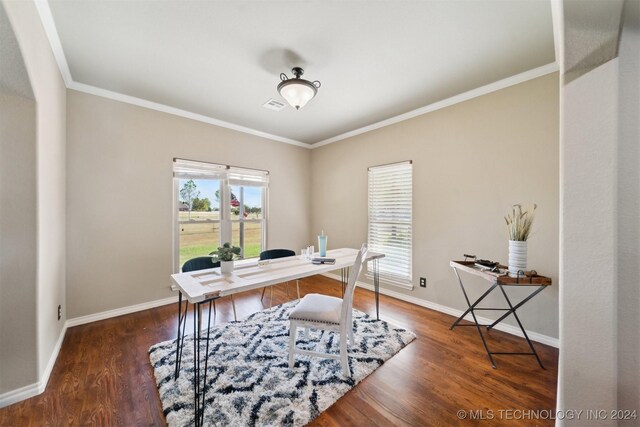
(248, 177)
(390, 219)
(188, 169)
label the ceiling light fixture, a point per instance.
(296, 91)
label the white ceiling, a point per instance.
(375, 59)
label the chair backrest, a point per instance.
(276, 253)
(199, 263)
(356, 268)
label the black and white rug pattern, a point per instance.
(249, 380)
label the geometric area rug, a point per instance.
(249, 380)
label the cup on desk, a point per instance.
(322, 245)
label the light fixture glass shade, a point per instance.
(297, 92)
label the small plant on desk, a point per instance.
(225, 253)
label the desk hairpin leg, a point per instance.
(199, 406)
(182, 322)
(344, 278)
(376, 285)
(199, 393)
(196, 367)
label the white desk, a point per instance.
(204, 286)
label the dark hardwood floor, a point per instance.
(103, 376)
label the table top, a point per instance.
(201, 285)
(470, 267)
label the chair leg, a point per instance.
(214, 307)
(344, 357)
(199, 317)
(292, 344)
(263, 289)
(298, 288)
(350, 328)
(233, 304)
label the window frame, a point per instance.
(405, 282)
(224, 174)
(241, 220)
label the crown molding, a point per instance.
(93, 90)
(557, 19)
(42, 6)
(54, 40)
(474, 93)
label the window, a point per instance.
(390, 220)
(216, 204)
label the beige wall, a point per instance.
(599, 304)
(119, 196)
(18, 242)
(588, 311)
(628, 217)
(49, 160)
(471, 162)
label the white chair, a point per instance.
(329, 314)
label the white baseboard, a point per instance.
(22, 393)
(30, 390)
(52, 359)
(119, 311)
(513, 330)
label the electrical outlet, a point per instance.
(59, 312)
(423, 282)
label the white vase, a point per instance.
(517, 257)
(226, 267)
